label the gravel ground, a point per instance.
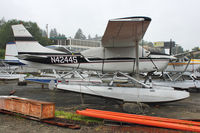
(68, 101)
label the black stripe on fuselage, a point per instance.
(76, 59)
(121, 58)
(47, 54)
(24, 39)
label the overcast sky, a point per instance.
(178, 20)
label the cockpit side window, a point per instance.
(185, 59)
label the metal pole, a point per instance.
(170, 49)
(135, 80)
(47, 30)
(137, 58)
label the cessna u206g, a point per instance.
(120, 54)
(177, 69)
(184, 62)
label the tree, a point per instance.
(2, 53)
(44, 33)
(177, 49)
(2, 21)
(79, 35)
(89, 37)
(97, 38)
(196, 49)
(53, 33)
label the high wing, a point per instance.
(125, 32)
(192, 53)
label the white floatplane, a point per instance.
(177, 70)
(9, 65)
(184, 62)
(120, 54)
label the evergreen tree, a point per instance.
(44, 33)
(63, 35)
(177, 49)
(53, 33)
(97, 38)
(79, 35)
(89, 37)
(2, 21)
(196, 49)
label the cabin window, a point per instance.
(185, 59)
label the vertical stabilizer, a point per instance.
(11, 51)
(26, 44)
(20, 31)
(11, 54)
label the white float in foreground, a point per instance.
(128, 94)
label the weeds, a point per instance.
(76, 117)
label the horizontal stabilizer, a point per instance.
(192, 53)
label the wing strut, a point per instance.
(137, 59)
(137, 52)
(183, 70)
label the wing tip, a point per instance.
(135, 18)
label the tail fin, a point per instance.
(10, 55)
(25, 42)
(11, 51)
(20, 31)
